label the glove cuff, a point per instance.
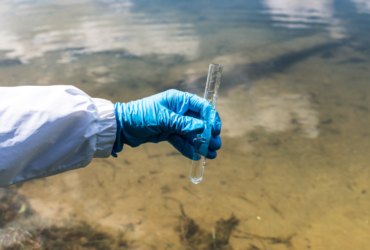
(118, 144)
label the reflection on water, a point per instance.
(362, 6)
(303, 14)
(134, 34)
(267, 109)
(293, 170)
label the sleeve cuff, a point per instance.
(107, 127)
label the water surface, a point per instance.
(294, 165)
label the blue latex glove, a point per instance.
(172, 116)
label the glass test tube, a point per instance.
(202, 141)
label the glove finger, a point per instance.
(189, 138)
(182, 146)
(183, 102)
(214, 144)
(198, 104)
(192, 114)
(211, 154)
(216, 128)
(180, 102)
(174, 123)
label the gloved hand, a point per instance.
(172, 116)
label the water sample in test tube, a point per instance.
(202, 140)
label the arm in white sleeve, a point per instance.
(49, 130)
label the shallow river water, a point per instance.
(294, 101)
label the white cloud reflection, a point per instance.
(93, 32)
(363, 6)
(304, 14)
(268, 110)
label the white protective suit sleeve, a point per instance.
(46, 130)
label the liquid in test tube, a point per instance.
(202, 141)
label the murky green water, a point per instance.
(294, 101)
